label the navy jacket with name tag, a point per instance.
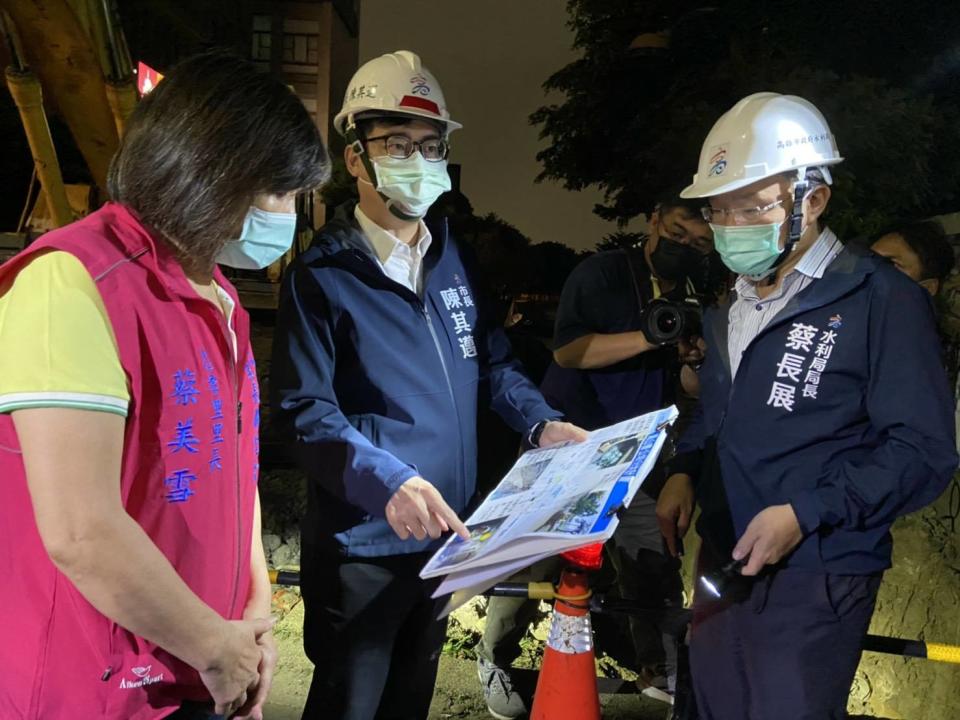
(375, 385)
(840, 407)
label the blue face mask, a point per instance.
(748, 249)
(265, 237)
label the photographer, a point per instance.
(605, 370)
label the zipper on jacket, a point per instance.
(436, 344)
(234, 369)
(236, 463)
(370, 267)
(446, 375)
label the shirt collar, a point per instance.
(385, 244)
(813, 263)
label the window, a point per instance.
(262, 38)
(300, 49)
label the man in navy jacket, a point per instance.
(381, 345)
(824, 415)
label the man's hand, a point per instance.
(691, 350)
(234, 669)
(555, 432)
(257, 694)
(674, 509)
(417, 508)
(770, 536)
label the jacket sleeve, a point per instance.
(330, 451)
(689, 456)
(910, 407)
(714, 378)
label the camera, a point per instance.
(665, 322)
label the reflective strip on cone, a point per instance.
(570, 635)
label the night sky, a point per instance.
(491, 59)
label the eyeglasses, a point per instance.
(739, 216)
(401, 147)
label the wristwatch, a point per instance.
(533, 437)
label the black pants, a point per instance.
(785, 646)
(647, 575)
(372, 632)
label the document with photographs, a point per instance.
(552, 500)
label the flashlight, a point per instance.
(717, 582)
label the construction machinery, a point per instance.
(67, 57)
(70, 59)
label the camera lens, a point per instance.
(667, 322)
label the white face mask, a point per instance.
(410, 184)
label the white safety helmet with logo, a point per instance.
(387, 86)
(764, 135)
(395, 83)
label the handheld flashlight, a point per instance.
(717, 582)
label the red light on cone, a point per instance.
(147, 78)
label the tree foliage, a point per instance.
(619, 239)
(512, 264)
(884, 74)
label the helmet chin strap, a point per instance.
(353, 139)
(794, 230)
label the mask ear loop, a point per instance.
(794, 228)
(356, 143)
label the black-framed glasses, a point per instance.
(401, 147)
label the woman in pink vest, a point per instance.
(134, 583)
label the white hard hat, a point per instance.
(394, 83)
(763, 135)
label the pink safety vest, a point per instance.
(188, 478)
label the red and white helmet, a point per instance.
(395, 83)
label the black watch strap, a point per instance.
(533, 439)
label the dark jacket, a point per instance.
(375, 386)
(606, 293)
(876, 441)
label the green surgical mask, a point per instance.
(411, 184)
(748, 249)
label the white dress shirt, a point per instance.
(400, 262)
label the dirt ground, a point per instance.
(458, 695)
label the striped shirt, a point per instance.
(749, 314)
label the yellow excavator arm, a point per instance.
(68, 57)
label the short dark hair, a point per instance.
(212, 135)
(929, 241)
(366, 121)
(670, 199)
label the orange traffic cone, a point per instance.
(567, 687)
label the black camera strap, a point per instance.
(642, 282)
